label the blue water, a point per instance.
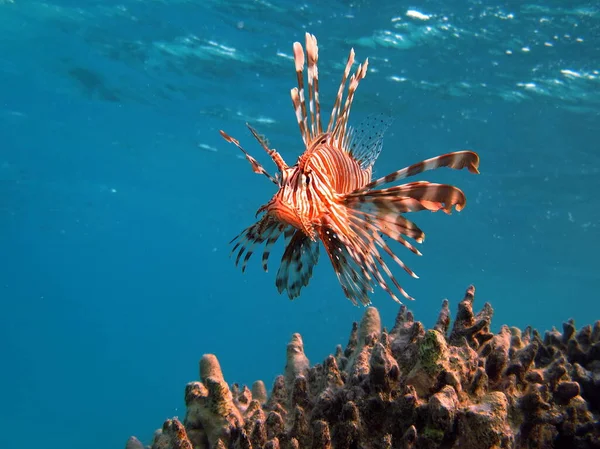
(118, 197)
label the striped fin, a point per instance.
(275, 156)
(297, 263)
(338, 121)
(370, 234)
(308, 130)
(297, 94)
(340, 94)
(348, 266)
(256, 167)
(457, 160)
(411, 197)
(271, 239)
(312, 56)
(378, 212)
(249, 237)
(339, 130)
(353, 250)
(352, 246)
(268, 230)
(394, 225)
(366, 140)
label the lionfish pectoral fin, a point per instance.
(456, 160)
(411, 197)
(299, 258)
(378, 213)
(348, 262)
(256, 166)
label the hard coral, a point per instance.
(409, 389)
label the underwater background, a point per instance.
(118, 197)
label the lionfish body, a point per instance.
(329, 198)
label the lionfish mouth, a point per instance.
(281, 212)
(287, 214)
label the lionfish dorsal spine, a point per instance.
(338, 122)
(297, 93)
(314, 129)
(312, 55)
(339, 132)
(340, 94)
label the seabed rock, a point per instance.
(408, 388)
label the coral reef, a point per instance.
(408, 388)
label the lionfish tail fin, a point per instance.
(456, 160)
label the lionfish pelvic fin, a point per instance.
(266, 229)
(297, 263)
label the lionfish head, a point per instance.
(288, 205)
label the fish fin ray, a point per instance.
(355, 280)
(266, 229)
(366, 140)
(299, 258)
(256, 166)
(456, 160)
(275, 156)
(411, 197)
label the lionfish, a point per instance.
(328, 196)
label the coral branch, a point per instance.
(408, 388)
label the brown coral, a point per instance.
(410, 388)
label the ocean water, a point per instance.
(118, 197)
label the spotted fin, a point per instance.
(273, 237)
(366, 140)
(297, 263)
(266, 229)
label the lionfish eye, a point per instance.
(307, 178)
